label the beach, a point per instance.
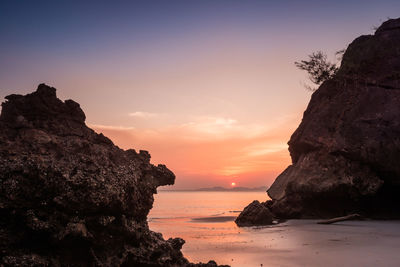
(210, 233)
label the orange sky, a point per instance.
(212, 151)
(209, 88)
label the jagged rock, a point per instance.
(346, 151)
(255, 213)
(69, 196)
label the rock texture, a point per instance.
(346, 151)
(69, 197)
(255, 213)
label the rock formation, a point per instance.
(346, 151)
(69, 196)
(255, 213)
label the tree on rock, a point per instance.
(318, 67)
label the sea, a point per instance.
(205, 220)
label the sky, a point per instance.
(209, 88)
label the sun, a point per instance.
(233, 184)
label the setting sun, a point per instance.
(233, 184)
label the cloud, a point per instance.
(224, 121)
(111, 127)
(143, 114)
(265, 149)
(214, 148)
(209, 127)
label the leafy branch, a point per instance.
(318, 67)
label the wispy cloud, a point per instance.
(110, 127)
(214, 147)
(209, 127)
(264, 149)
(144, 115)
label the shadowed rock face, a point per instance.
(346, 151)
(255, 213)
(69, 196)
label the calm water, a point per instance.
(192, 216)
(204, 219)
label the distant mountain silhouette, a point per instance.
(223, 189)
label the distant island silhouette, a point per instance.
(222, 189)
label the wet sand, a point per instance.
(304, 243)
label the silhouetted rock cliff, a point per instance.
(69, 196)
(346, 151)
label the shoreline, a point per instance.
(305, 243)
(296, 242)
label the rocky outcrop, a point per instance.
(255, 213)
(346, 151)
(69, 196)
